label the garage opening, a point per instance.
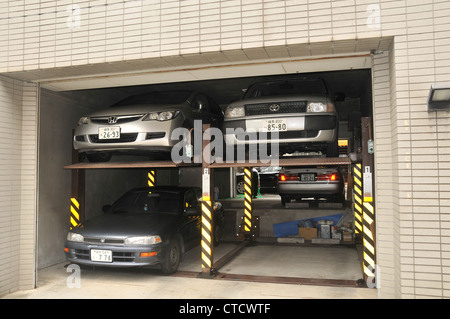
(273, 254)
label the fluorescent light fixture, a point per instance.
(439, 97)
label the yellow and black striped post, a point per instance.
(369, 262)
(207, 235)
(151, 178)
(357, 197)
(248, 204)
(74, 213)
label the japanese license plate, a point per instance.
(307, 177)
(108, 133)
(275, 125)
(101, 255)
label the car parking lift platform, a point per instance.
(209, 266)
(286, 161)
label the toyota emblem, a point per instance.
(274, 107)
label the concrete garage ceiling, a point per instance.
(248, 62)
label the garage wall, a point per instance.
(422, 161)
(412, 159)
(59, 113)
(18, 115)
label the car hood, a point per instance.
(122, 225)
(284, 98)
(136, 109)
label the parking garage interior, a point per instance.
(59, 113)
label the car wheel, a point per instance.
(240, 187)
(284, 200)
(172, 257)
(98, 157)
(218, 230)
(332, 149)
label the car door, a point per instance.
(191, 223)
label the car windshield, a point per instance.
(288, 87)
(148, 202)
(173, 97)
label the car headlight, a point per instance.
(319, 107)
(83, 120)
(143, 240)
(74, 237)
(235, 111)
(161, 116)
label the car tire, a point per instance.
(332, 149)
(284, 200)
(240, 187)
(218, 231)
(98, 157)
(171, 258)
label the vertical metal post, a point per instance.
(207, 212)
(248, 204)
(77, 193)
(357, 197)
(368, 209)
(151, 178)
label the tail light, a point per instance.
(287, 177)
(328, 177)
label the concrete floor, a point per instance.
(260, 259)
(263, 270)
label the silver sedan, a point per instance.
(143, 124)
(310, 182)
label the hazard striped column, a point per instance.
(151, 178)
(369, 261)
(248, 204)
(74, 213)
(357, 197)
(206, 233)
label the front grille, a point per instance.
(124, 138)
(105, 241)
(117, 255)
(281, 135)
(120, 119)
(275, 108)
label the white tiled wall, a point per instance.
(412, 145)
(18, 114)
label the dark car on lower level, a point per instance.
(145, 227)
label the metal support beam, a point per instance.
(207, 204)
(151, 178)
(248, 204)
(77, 193)
(357, 197)
(368, 207)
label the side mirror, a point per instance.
(106, 208)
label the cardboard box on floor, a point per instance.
(307, 233)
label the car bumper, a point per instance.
(309, 189)
(300, 129)
(144, 135)
(122, 256)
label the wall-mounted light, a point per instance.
(439, 97)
